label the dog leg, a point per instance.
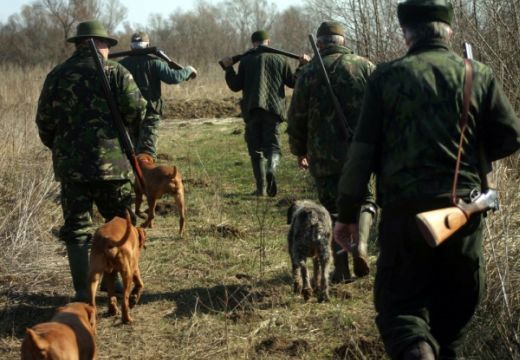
(323, 268)
(110, 278)
(307, 289)
(181, 207)
(138, 288)
(297, 276)
(138, 200)
(94, 277)
(152, 202)
(127, 282)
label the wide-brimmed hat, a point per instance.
(419, 11)
(92, 29)
(328, 28)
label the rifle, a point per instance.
(125, 141)
(146, 51)
(236, 58)
(438, 225)
(341, 120)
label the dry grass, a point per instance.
(223, 291)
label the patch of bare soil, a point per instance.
(277, 344)
(201, 108)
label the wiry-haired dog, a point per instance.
(310, 235)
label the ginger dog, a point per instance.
(159, 180)
(69, 335)
(116, 248)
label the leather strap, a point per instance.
(463, 123)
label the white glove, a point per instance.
(193, 74)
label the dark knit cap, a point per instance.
(259, 35)
(419, 11)
(140, 36)
(330, 28)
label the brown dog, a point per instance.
(69, 335)
(159, 180)
(116, 248)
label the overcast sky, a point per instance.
(138, 10)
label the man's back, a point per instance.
(75, 122)
(414, 109)
(313, 128)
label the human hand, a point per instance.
(346, 235)
(304, 59)
(226, 62)
(303, 163)
(194, 72)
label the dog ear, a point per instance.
(142, 237)
(91, 315)
(39, 342)
(290, 213)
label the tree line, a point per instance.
(38, 33)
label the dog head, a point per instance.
(145, 159)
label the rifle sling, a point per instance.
(463, 123)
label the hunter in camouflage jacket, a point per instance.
(74, 120)
(312, 126)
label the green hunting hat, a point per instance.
(92, 29)
(417, 11)
(330, 28)
(259, 35)
(140, 36)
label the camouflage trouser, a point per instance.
(112, 198)
(262, 134)
(425, 293)
(148, 134)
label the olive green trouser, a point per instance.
(148, 134)
(422, 292)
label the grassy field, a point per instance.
(223, 291)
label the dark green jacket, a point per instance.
(148, 72)
(312, 126)
(261, 77)
(74, 120)
(409, 129)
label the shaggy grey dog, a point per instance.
(310, 235)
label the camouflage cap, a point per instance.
(417, 11)
(259, 35)
(330, 28)
(92, 29)
(140, 36)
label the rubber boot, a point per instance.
(78, 264)
(272, 164)
(118, 285)
(259, 173)
(359, 253)
(420, 350)
(341, 272)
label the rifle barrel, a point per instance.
(145, 51)
(345, 130)
(126, 142)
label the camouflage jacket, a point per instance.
(148, 72)
(261, 77)
(74, 119)
(312, 125)
(408, 131)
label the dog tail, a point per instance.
(127, 233)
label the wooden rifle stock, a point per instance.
(265, 48)
(146, 51)
(126, 142)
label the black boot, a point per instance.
(272, 164)
(341, 272)
(78, 263)
(259, 173)
(420, 350)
